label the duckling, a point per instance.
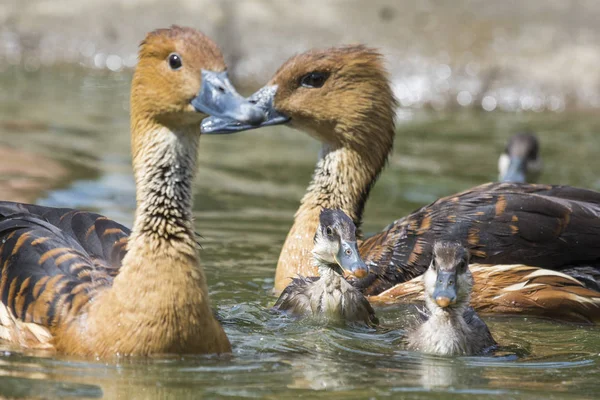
(452, 327)
(82, 284)
(342, 96)
(520, 162)
(329, 295)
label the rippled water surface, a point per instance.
(64, 141)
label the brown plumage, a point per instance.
(450, 326)
(329, 296)
(342, 97)
(83, 284)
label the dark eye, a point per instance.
(314, 80)
(329, 231)
(175, 61)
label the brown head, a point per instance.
(335, 243)
(448, 281)
(341, 95)
(181, 78)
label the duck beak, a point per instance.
(444, 292)
(263, 99)
(516, 171)
(218, 97)
(349, 259)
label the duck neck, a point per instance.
(164, 163)
(343, 178)
(329, 272)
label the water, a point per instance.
(247, 189)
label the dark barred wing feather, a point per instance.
(554, 227)
(53, 260)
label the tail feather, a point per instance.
(23, 334)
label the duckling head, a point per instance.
(520, 161)
(448, 281)
(339, 95)
(335, 244)
(181, 78)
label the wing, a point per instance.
(54, 260)
(372, 318)
(479, 327)
(546, 226)
(295, 298)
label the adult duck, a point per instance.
(342, 96)
(82, 284)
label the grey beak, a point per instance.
(218, 97)
(349, 259)
(517, 171)
(444, 292)
(262, 99)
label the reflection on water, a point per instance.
(247, 189)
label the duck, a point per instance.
(82, 284)
(520, 161)
(342, 97)
(329, 296)
(450, 327)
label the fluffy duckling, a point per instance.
(520, 162)
(452, 327)
(330, 295)
(83, 284)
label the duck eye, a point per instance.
(314, 80)
(329, 231)
(175, 61)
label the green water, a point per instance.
(247, 189)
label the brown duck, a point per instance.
(80, 283)
(342, 97)
(451, 326)
(329, 296)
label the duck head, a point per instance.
(181, 78)
(335, 243)
(520, 161)
(339, 95)
(448, 281)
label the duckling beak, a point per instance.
(516, 171)
(262, 99)
(218, 97)
(349, 259)
(444, 292)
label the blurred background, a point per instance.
(511, 55)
